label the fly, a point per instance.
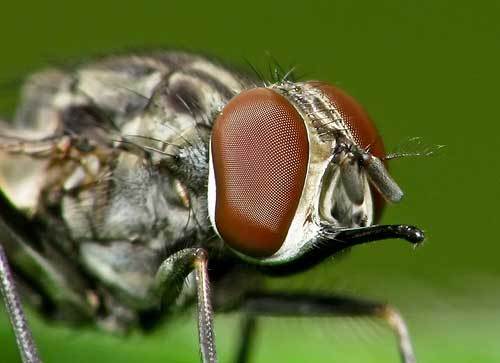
(168, 178)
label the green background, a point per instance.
(421, 68)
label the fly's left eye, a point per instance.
(260, 154)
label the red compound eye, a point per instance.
(260, 153)
(360, 125)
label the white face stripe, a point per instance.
(212, 190)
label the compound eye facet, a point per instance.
(260, 154)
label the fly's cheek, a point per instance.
(260, 154)
(360, 126)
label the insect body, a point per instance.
(146, 180)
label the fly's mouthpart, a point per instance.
(330, 240)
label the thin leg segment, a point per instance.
(16, 314)
(248, 329)
(277, 304)
(205, 311)
(169, 281)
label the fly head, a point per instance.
(297, 173)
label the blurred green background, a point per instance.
(421, 68)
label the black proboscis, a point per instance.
(332, 240)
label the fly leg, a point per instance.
(247, 338)
(282, 305)
(15, 311)
(65, 293)
(169, 282)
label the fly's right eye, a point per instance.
(360, 126)
(357, 120)
(260, 153)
